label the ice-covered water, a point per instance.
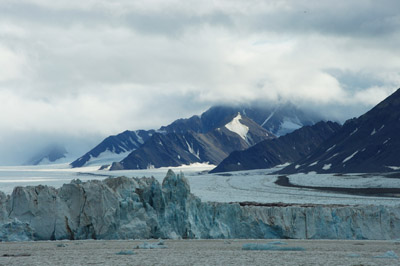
(197, 252)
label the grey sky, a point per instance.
(81, 70)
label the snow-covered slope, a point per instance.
(237, 127)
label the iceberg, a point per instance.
(146, 245)
(125, 252)
(387, 255)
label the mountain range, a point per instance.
(367, 144)
(210, 140)
(285, 149)
(175, 149)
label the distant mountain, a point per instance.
(51, 154)
(368, 144)
(114, 148)
(188, 146)
(272, 152)
(278, 119)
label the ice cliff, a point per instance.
(125, 208)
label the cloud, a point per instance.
(11, 64)
(80, 69)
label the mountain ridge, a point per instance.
(367, 144)
(175, 149)
(287, 148)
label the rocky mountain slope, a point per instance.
(370, 143)
(132, 208)
(114, 148)
(175, 149)
(285, 149)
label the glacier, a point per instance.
(142, 208)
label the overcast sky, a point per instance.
(81, 70)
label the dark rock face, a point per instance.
(175, 149)
(368, 144)
(284, 149)
(131, 208)
(124, 142)
(51, 154)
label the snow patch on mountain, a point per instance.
(139, 138)
(327, 166)
(237, 127)
(191, 150)
(107, 157)
(289, 124)
(352, 133)
(350, 157)
(396, 168)
(268, 118)
(336, 154)
(332, 147)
